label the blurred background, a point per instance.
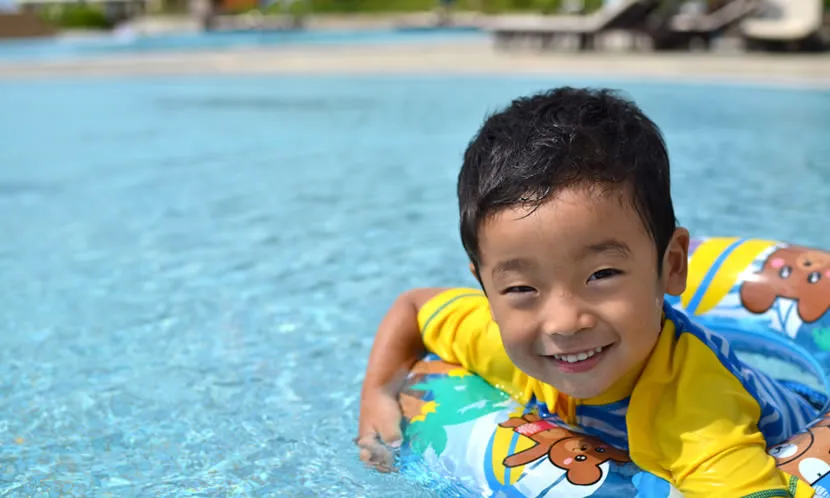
(659, 24)
(206, 206)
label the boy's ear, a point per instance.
(676, 262)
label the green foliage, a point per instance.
(348, 6)
(78, 16)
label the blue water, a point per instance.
(192, 268)
(63, 48)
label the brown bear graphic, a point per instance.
(578, 454)
(807, 454)
(793, 272)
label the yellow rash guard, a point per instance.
(695, 416)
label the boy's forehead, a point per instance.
(568, 210)
(573, 225)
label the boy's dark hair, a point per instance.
(563, 138)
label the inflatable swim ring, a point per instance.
(769, 299)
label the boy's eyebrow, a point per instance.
(515, 264)
(612, 246)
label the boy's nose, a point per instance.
(565, 315)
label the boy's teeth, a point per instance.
(573, 358)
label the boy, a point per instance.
(567, 218)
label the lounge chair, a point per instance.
(793, 23)
(676, 30)
(624, 14)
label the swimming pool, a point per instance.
(193, 267)
(62, 48)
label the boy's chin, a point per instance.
(590, 383)
(581, 391)
(576, 388)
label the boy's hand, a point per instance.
(379, 430)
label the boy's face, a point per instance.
(574, 287)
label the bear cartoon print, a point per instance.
(793, 272)
(579, 455)
(807, 456)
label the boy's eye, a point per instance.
(604, 273)
(518, 289)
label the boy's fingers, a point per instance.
(390, 432)
(385, 468)
(378, 442)
(365, 455)
(374, 454)
(380, 467)
(392, 438)
(367, 440)
(371, 448)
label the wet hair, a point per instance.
(566, 137)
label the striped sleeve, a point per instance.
(693, 422)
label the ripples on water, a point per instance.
(193, 268)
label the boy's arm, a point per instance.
(398, 343)
(397, 346)
(453, 323)
(695, 424)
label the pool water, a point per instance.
(125, 43)
(193, 268)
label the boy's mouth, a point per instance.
(581, 361)
(580, 356)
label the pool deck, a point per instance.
(456, 57)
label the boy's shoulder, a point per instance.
(685, 328)
(687, 353)
(451, 298)
(698, 351)
(693, 343)
(704, 366)
(453, 301)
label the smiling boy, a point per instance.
(567, 218)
